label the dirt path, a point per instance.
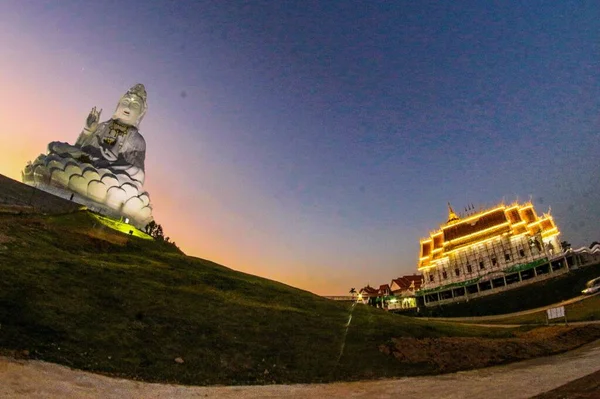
(25, 379)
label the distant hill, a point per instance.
(75, 292)
(14, 195)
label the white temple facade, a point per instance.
(488, 251)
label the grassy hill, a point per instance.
(75, 292)
(17, 196)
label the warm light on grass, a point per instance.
(120, 226)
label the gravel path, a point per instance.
(27, 379)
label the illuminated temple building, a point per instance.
(489, 251)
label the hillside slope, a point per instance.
(74, 292)
(17, 194)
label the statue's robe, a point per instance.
(128, 145)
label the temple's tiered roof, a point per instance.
(456, 233)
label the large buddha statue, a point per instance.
(104, 169)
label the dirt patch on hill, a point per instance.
(107, 235)
(4, 238)
(450, 354)
(16, 209)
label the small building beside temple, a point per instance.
(368, 295)
(398, 295)
(406, 284)
(489, 251)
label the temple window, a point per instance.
(457, 272)
(494, 261)
(522, 252)
(469, 269)
(507, 257)
(481, 265)
(431, 278)
(444, 275)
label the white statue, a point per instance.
(105, 167)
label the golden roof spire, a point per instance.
(452, 217)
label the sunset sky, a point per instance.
(315, 143)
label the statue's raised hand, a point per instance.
(91, 123)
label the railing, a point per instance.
(341, 298)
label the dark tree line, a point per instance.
(155, 231)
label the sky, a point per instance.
(315, 142)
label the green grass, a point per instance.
(121, 226)
(585, 310)
(75, 292)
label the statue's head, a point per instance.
(132, 106)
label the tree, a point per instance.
(565, 245)
(150, 228)
(155, 230)
(158, 234)
(594, 243)
(352, 291)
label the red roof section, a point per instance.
(384, 289)
(405, 282)
(369, 290)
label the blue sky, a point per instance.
(313, 142)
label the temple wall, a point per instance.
(482, 259)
